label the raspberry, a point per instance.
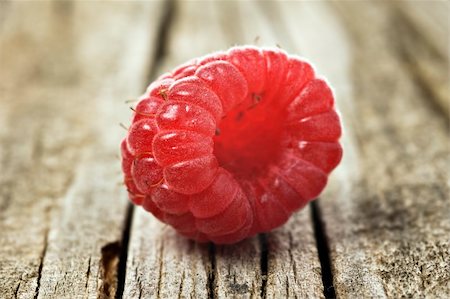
(231, 144)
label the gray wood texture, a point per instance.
(380, 230)
(66, 69)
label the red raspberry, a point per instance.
(231, 144)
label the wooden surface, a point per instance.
(380, 230)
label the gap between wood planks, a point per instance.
(323, 250)
(163, 33)
(263, 264)
(120, 250)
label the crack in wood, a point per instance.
(293, 262)
(323, 250)
(287, 287)
(212, 271)
(41, 264)
(110, 255)
(125, 240)
(139, 280)
(193, 245)
(180, 290)
(161, 265)
(263, 263)
(16, 291)
(88, 274)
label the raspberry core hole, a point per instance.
(249, 138)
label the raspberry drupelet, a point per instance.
(231, 144)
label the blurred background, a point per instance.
(67, 72)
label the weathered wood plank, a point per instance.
(386, 221)
(294, 269)
(290, 254)
(430, 19)
(66, 69)
(386, 212)
(161, 264)
(423, 33)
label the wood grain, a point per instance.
(66, 70)
(387, 219)
(380, 230)
(385, 213)
(423, 33)
(163, 265)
